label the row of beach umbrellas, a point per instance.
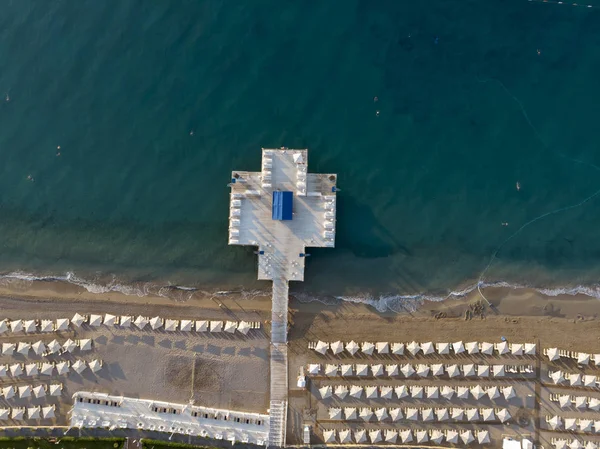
(579, 402)
(407, 370)
(49, 368)
(30, 413)
(583, 358)
(557, 422)
(414, 348)
(573, 444)
(405, 436)
(448, 392)
(416, 414)
(40, 348)
(27, 391)
(573, 379)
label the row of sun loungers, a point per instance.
(31, 413)
(579, 402)
(422, 370)
(419, 414)
(45, 349)
(573, 444)
(406, 436)
(414, 348)
(27, 391)
(48, 368)
(572, 424)
(583, 358)
(476, 392)
(126, 321)
(574, 379)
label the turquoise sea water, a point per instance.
(467, 108)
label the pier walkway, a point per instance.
(282, 210)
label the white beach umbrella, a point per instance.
(560, 444)
(401, 391)
(427, 348)
(493, 393)
(502, 348)
(391, 436)
(597, 426)
(467, 436)
(386, 391)
(436, 436)
(8, 348)
(346, 370)
(47, 369)
(125, 321)
(96, 365)
(39, 391)
(396, 414)
(398, 348)
(564, 400)
(85, 344)
(4, 414)
(423, 370)
(458, 347)
(377, 370)
(458, 414)
(329, 436)
(432, 392)
(487, 414)
(16, 326)
(427, 414)
(365, 413)
(367, 348)
(79, 366)
(413, 347)
(337, 347)
(356, 391)
(443, 348)
(243, 327)
(53, 347)
(452, 370)
(325, 392)
(447, 392)
(375, 436)
(171, 325)
(591, 445)
(77, 320)
(335, 413)
(406, 436)
(468, 370)
(341, 391)
(472, 347)
(557, 377)
(352, 347)
(477, 392)
(437, 369)
(3, 326)
(18, 414)
(31, 369)
(570, 424)
(407, 370)
(416, 392)
(391, 370)
(345, 436)
(589, 381)
(452, 436)
(203, 326)
(486, 348)
(350, 413)
(33, 413)
(361, 370)
(55, 389)
(157, 323)
(575, 444)
(530, 349)
(314, 369)
(360, 435)
(69, 346)
(498, 371)
(472, 414)
(38, 347)
(594, 404)
(3, 371)
(508, 392)
(331, 370)
(141, 322)
(230, 327)
(503, 415)
(483, 370)
(462, 392)
(421, 436)
(583, 358)
(46, 326)
(23, 348)
(24, 391)
(16, 370)
(516, 349)
(483, 436)
(382, 347)
(48, 412)
(95, 320)
(555, 422)
(30, 326)
(8, 392)
(109, 320)
(552, 354)
(381, 413)
(371, 392)
(580, 402)
(411, 414)
(575, 380)
(62, 368)
(585, 425)
(442, 414)
(321, 347)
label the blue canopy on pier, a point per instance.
(282, 205)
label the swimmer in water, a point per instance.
(192, 132)
(30, 178)
(375, 99)
(539, 52)
(518, 186)
(377, 113)
(7, 97)
(505, 224)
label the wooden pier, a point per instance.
(282, 210)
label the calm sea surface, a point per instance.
(472, 97)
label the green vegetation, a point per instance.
(61, 443)
(159, 444)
